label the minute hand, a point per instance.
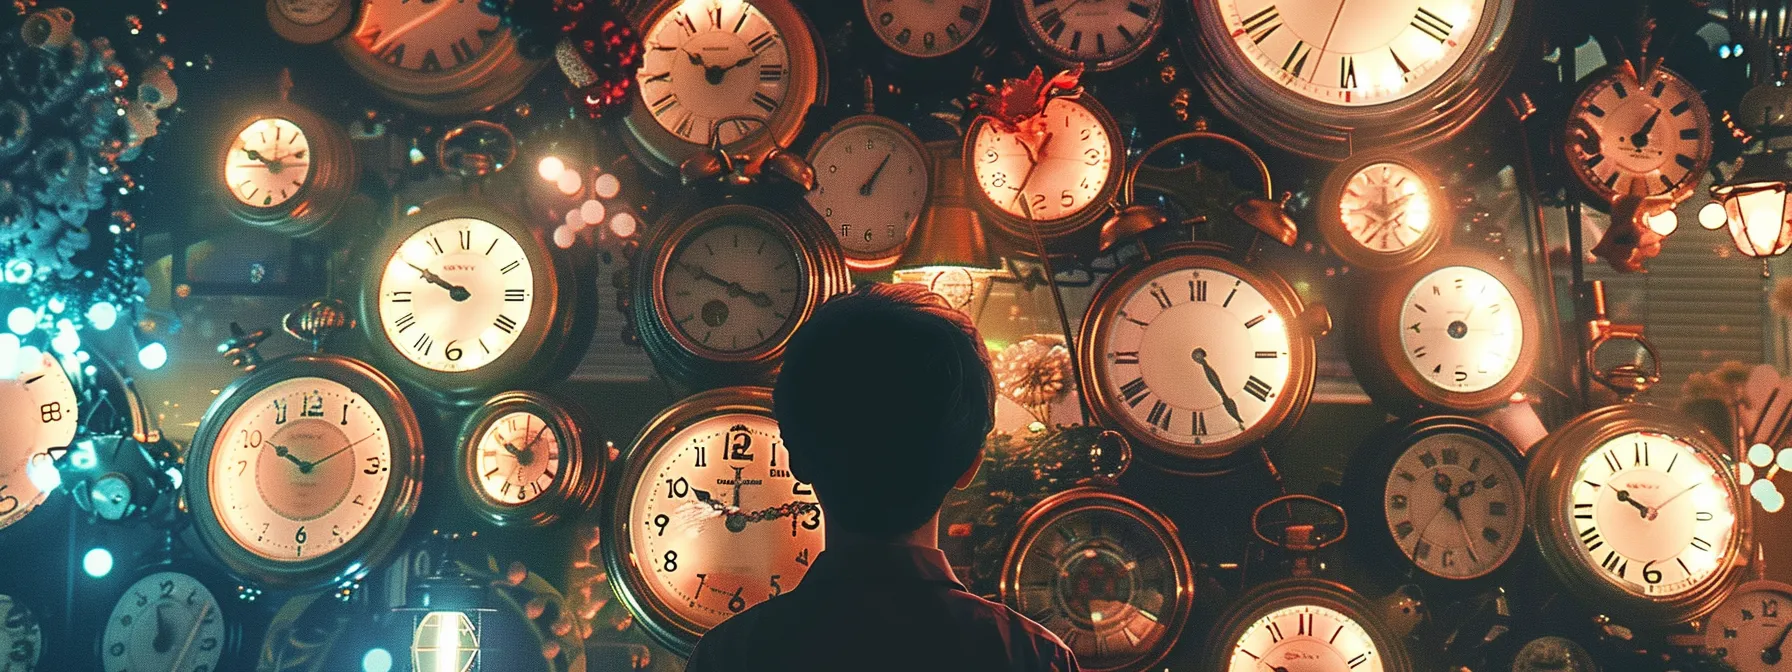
(1213, 378)
(1656, 510)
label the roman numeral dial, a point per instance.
(429, 37)
(1352, 53)
(1304, 632)
(926, 28)
(1653, 514)
(456, 295)
(268, 163)
(709, 60)
(1648, 136)
(1102, 35)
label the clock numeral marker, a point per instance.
(1680, 109)
(1160, 415)
(1135, 391)
(771, 73)
(504, 324)
(1404, 529)
(684, 21)
(1701, 544)
(1590, 537)
(424, 344)
(1359, 659)
(1254, 321)
(1297, 58)
(516, 295)
(1611, 460)
(762, 42)
(1275, 631)
(764, 102)
(1199, 424)
(400, 297)
(1198, 290)
(1261, 24)
(1702, 516)
(466, 240)
(1640, 454)
(664, 103)
(1303, 624)
(1583, 516)
(435, 244)
(1685, 161)
(1405, 72)
(1689, 134)
(431, 62)
(510, 267)
(1432, 25)
(404, 322)
(1621, 90)
(1655, 91)
(1257, 388)
(1126, 357)
(461, 50)
(1267, 354)
(662, 77)
(1347, 72)
(1163, 297)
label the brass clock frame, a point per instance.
(581, 469)
(1626, 72)
(1021, 229)
(329, 183)
(1037, 520)
(1283, 593)
(498, 75)
(1549, 484)
(1050, 51)
(374, 542)
(1331, 219)
(874, 263)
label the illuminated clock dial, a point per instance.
(518, 458)
(1381, 210)
(1644, 137)
(38, 413)
(708, 60)
(21, 637)
(871, 184)
(425, 36)
(269, 163)
(1454, 505)
(1305, 638)
(1653, 513)
(1051, 167)
(164, 621)
(1462, 329)
(734, 285)
(926, 28)
(1102, 35)
(1748, 631)
(456, 294)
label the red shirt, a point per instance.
(880, 607)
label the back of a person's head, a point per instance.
(884, 400)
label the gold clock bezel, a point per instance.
(496, 76)
(1331, 219)
(1283, 593)
(574, 489)
(1626, 72)
(329, 182)
(1021, 229)
(874, 263)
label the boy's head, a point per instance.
(884, 400)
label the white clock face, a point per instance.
(269, 163)
(164, 621)
(719, 524)
(1386, 207)
(926, 28)
(870, 185)
(21, 637)
(1305, 638)
(1745, 631)
(1052, 167)
(38, 413)
(518, 458)
(1454, 505)
(1461, 329)
(1092, 32)
(733, 286)
(1652, 513)
(426, 36)
(299, 469)
(1197, 356)
(711, 59)
(1646, 138)
(1353, 52)
(456, 295)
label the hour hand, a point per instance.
(1641, 509)
(695, 58)
(283, 451)
(456, 292)
(1213, 378)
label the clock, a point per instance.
(21, 635)
(523, 459)
(447, 57)
(1445, 493)
(1097, 35)
(1105, 574)
(1381, 210)
(1458, 331)
(1056, 171)
(1303, 624)
(309, 21)
(1748, 630)
(304, 472)
(286, 170)
(463, 298)
(1553, 653)
(1194, 356)
(872, 181)
(168, 620)
(707, 519)
(1636, 510)
(1319, 77)
(39, 413)
(926, 28)
(1645, 134)
(746, 71)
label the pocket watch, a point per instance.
(1553, 653)
(1097, 35)
(1748, 630)
(523, 459)
(309, 21)
(1458, 331)
(170, 620)
(707, 518)
(1105, 574)
(1057, 170)
(872, 181)
(926, 28)
(753, 63)
(1316, 77)
(1644, 134)
(40, 408)
(1382, 210)
(286, 170)
(444, 58)
(1304, 624)
(21, 634)
(305, 471)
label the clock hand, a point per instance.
(456, 292)
(1624, 496)
(192, 632)
(1640, 138)
(735, 289)
(704, 496)
(339, 451)
(379, 47)
(737, 484)
(865, 189)
(1656, 510)
(283, 451)
(1323, 46)
(696, 59)
(1032, 167)
(1442, 482)
(256, 156)
(1466, 490)
(1770, 654)
(1213, 378)
(1463, 525)
(164, 639)
(748, 59)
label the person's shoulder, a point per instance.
(733, 639)
(1041, 642)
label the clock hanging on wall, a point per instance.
(1382, 210)
(445, 57)
(524, 460)
(172, 619)
(1096, 35)
(1642, 134)
(287, 170)
(872, 182)
(1319, 622)
(1056, 169)
(38, 413)
(926, 28)
(1748, 631)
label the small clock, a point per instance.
(1105, 574)
(707, 519)
(926, 28)
(710, 60)
(445, 58)
(1458, 331)
(1097, 35)
(1057, 170)
(21, 635)
(286, 170)
(1748, 631)
(1303, 624)
(523, 459)
(1552, 653)
(1643, 134)
(168, 620)
(309, 21)
(1382, 210)
(872, 181)
(40, 409)
(305, 471)
(1636, 510)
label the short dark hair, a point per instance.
(884, 400)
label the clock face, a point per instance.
(1386, 207)
(718, 524)
(1305, 638)
(926, 28)
(1102, 34)
(1353, 52)
(1639, 137)
(164, 621)
(1653, 514)
(517, 458)
(1553, 654)
(1454, 505)
(871, 183)
(269, 163)
(37, 413)
(1747, 630)
(20, 635)
(733, 285)
(456, 295)
(1461, 329)
(707, 60)
(1053, 166)
(425, 36)
(299, 469)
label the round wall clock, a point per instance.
(38, 413)
(1636, 510)
(1643, 135)
(1319, 76)
(305, 472)
(926, 28)
(169, 620)
(711, 60)
(1097, 35)
(437, 57)
(707, 519)
(1382, 210)
(1057, 170)
(286, 170)
(1457, 331)
(1105, 574)
(523, 459)
(1748, 631)
(1195, 356)
(1304, 624)
(21, 636)
(464, 298)
(872, 181)
(309, 21)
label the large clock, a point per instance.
(442, 57)
(926, 28)
(1304, 624)
(1098, 35)
(1055, 172)
(706, 519)
(1320, 77)
(170, 620)
(38, 413)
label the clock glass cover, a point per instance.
(1653, 514)
(1462, 329)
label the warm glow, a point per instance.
(268, 164)
(1663, 223)
(444, 642)
(550, 168)
(1712, 216)
(1757, 217)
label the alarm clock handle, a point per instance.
(1626, 379)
